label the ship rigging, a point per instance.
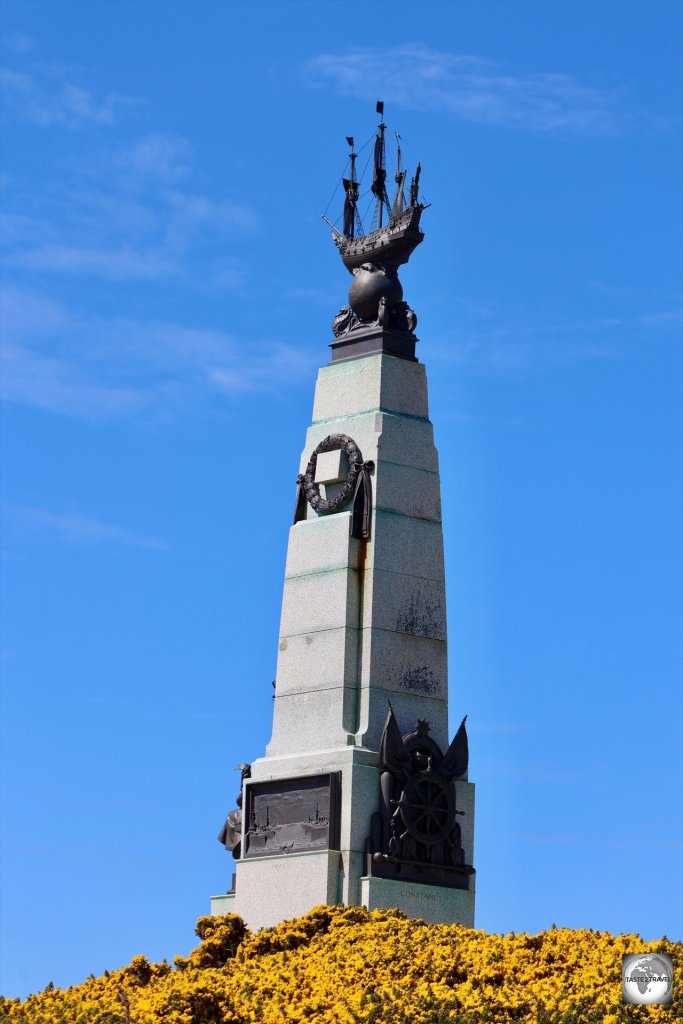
(395, 230)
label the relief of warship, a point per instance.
(260, 833)
(373, 257)
(317, 826)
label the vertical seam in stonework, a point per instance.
(360, 583)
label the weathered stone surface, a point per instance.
(407, 490)
(288, 765)
(405, 604)
(408, 708)
(322, 542)
(313, 720)
(318, 660)
(322, 600)
(272, 889)
(407, 545)
(223, 904)
(402, 663)
(407, 442)
(376, 382)
(331, 467)
(433, 903)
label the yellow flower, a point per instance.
(344, 965)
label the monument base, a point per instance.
(433, 903)
(286, 887)
(274, 889)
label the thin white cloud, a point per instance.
(159, 156)
(55, 383)
(30, 525)
(122, 214)
(119, 208)
(39, 101)
(663, 318)
(506, 342)
(472, 89)
(20, 43)
(112, 264)
(274, 367)
(120, 367)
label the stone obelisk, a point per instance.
(360, 797)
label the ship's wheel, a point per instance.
(427, 806)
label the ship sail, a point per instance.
(399, 198)
(351, 190)
(414, 187)
(379, 171)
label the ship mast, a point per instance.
(378, 187)
(351, 190)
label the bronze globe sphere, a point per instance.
(370, 284)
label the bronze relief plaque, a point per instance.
(292, 815)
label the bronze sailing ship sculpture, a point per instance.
(373, 257)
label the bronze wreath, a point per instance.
(312, 489)
(356, 486)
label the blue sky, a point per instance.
(168, 287)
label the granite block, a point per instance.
(317, 601)
(313, 720)
(406, 545)
(314, 762)
(352, 869)
(407, 490)
(405, 604)
(360, 799)
(406, 442)
(274, 889)
(223, 904)
(373, 382)
(310, 661)
(432, 903)
(330, 467)
(403, 663)
(323, 542)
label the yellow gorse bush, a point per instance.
(343, 965)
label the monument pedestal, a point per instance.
(349, 792)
